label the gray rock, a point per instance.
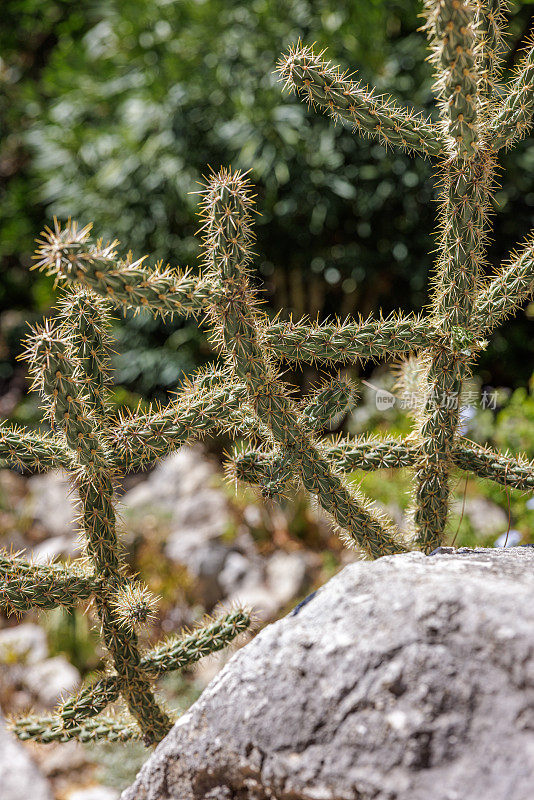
(182, 474)
(200, 520)
(52, 503)
(407, 678)
(286, 574)
(179, 491)
(23, 644)
(93, 793)
(234, 573)
(51, 679)
(19, 777)
(264, 585)
(486, 517)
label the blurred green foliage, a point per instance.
(113, 109)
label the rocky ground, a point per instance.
(199, 546)
(407, 678)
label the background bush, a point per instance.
(112, 110)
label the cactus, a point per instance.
(69, 362)
(244, 394)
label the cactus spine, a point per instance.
(477, 116)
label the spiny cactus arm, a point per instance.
(517, 472)
(347, 341)
(69, 255)
(332, 398)
(514, 284)
(490, 28)
(373, 453)
(139, 439)
(50, 729)
(317, 81)
(349, 455)
(513, 116)
(86, 321)
(89, 701)
(176, 653)
(25, 585)
(227, 253)
(56, 375)
(451, 26)
(32, 451)
(181, 651)
(466, 181)
(271, 470)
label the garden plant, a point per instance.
(243, 394)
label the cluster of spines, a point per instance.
(247, 397)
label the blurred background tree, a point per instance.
(111, 110)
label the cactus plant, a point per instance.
(246, 395)
(70, 366)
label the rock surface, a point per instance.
(408, 678)
(52, 503)
(23, 644)
(51, 679)
(19, 777)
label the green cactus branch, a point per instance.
(246, 396)
(323, 85)
(238, 327)
(466, 183)
(26, 585)
(491, 22)
(49, 729)
(86, 322)
(505, 293)
(348, 341)
(513, 116)
(56, 374)
(181, 651)
(370, 454)
(176, 653)
(32, 452)
(139, 439)
(69, 254)
(452, 31)
(69, 362)
(334, 397)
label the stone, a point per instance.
(23, 644)
(51, 679)
(406, 678)
(234, 572)
(182, 474)
(202, 518)
(486, 517)
(286, 575)
(56, 547)
(52, 503)
(93, 793)
(509, 539)
(20, 778)
(179, 492)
